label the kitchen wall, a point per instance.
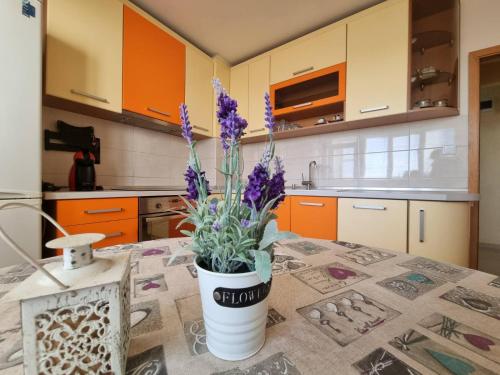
(129, 155)
(424, 154)
(428, 154)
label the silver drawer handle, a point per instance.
(114, 234)
(103, 211)
(200, 128)
(257, 130)
(158, 111)
(374, 109)
(311, 204)
(303, 105)
(421, 232)
(90, 96)
(309, 68)
(368, 207)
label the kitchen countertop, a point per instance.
(427, 195)
(60, 195)
(333, 308)
(423, 195)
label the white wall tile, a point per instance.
(384, 139)
(446, 131)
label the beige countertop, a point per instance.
(424, 195)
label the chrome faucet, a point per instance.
(309, 182)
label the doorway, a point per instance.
(484, 157)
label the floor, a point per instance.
(489, 259)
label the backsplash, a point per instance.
(428, 154)
(129, 155)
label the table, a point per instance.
(334, 308)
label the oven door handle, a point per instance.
(153, 219)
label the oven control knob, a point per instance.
(158, 205)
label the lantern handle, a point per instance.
(23, 253)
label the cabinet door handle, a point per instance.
(151, 109)
(368, 207)
(309, 68)
(374, 109)
(90, 96)
(256, 130)
(421, 231)
(303, 105)
(313, 204)
(113, 234)
(200, 128)
(103, 211)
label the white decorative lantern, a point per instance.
(76, 316)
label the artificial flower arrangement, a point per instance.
(235, 234)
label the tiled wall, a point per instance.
(427, 154)
(129, 155)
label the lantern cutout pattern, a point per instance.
(76, 313)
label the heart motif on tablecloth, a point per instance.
(340, 273)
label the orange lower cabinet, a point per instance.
(283, 215)
(116, 232)
(314, 217)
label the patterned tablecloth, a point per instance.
(334, 308)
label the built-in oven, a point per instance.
(160, 216)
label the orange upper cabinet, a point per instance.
(314, 217)
(83, 57)
(154, 69)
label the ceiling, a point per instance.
(237, 29)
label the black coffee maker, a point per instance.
(82, 173)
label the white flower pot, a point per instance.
(234, 311)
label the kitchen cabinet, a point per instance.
(199, 90)
(320, 50)
(116, 218)
(314, 217)
(239, 88)
(258, 85)
(377, 61)
(440, 231)
(367, 221)
(116, 232)
(283, 213)
(84, 52)
(154, 69)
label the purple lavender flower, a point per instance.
(268, 116)
(212, 207)
(187, 130)
(191, 178)
(276, 186)
(245, 223)
(255, 191)
(216, 226)
(232, 124)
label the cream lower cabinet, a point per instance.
(373, 222)
(320, 50)
(258, 85)
(84, 52)
(440, 231)
(199, 91)
(377, 61)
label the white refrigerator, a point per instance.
(20, 124)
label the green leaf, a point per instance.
(262, 265)
(186, 233)
(271, 235)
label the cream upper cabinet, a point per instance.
(199, 91)
(239, 88)
(258, 85)
(367, 221)
(440, 231)
(315, 52)
(377, 61)
(84, 52)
